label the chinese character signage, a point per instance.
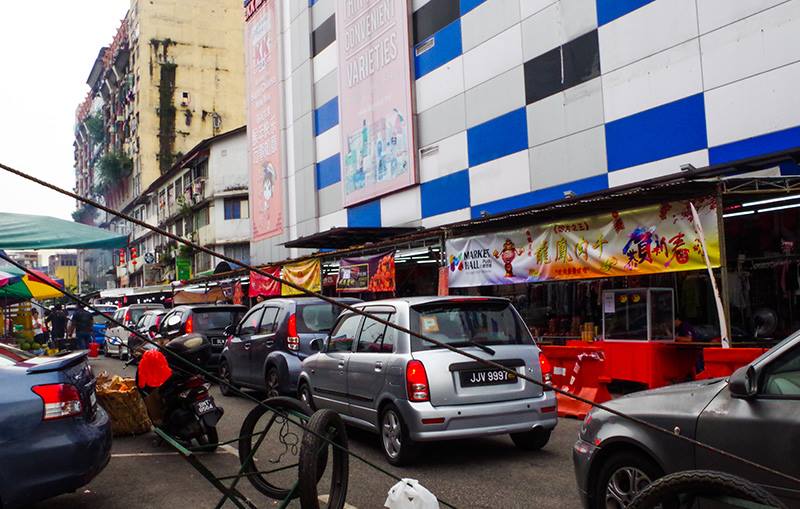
(375, 112)
(367, 274)
(262, 34)
(650, 240)
(306, 274)
(263, 285)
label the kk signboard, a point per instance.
(649, 240)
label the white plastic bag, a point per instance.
(410, 494)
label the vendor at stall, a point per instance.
(684, 332)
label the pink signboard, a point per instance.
(375, 111)
(262, 34)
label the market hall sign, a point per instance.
(649, 240)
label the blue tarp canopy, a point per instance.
(22, 231)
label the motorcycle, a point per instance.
(182, 406)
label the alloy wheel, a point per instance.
(623, 486)
(391, 433)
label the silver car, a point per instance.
(412, 391)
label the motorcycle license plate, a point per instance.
(205, 406)
(486, 377)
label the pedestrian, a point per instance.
(57, 322)
(37, 326)
(82, 323)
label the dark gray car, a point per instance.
(754, 414)
(267, 347)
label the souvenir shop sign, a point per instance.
(264, 286)
(306, 274)
(649, 240)
(367, 274)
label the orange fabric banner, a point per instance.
(306, 274)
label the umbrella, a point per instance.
(7, 278)
(28, 286)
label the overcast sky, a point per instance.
(47, 49)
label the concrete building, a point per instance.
(203, 198)
(517, 103)
(171, 77)
(64, 266)
(29, 259)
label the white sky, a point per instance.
(47, 49)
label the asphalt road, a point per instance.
(479, 473)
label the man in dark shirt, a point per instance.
(57, 321)
(82, 324)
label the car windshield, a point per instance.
(203, 320)
(316, 317)
(101, 318)
(459, 323)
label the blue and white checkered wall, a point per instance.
(519, 101)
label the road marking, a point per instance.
(230, 449)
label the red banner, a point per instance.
(264, 286)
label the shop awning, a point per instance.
(22, 231)
(341, 238)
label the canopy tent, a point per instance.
(22, 231)
(28, 286)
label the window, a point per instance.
(372, 335)
(179, 228)
(268, 324)
(316, 317)
(249, 325)
(201, 218)
(342, 338)
(237, 208)
(782, 377)
(239, 252)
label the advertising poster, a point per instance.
(264, 286)
(649, 240)
(375, 111)
(306, 274)
(367, 274)
(183, 268)
(262, 35)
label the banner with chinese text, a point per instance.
(306, 274)
(264, 286)
(649, 240)
(367, 274)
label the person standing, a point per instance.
(38, 327)
(57, 322)
(82, 324)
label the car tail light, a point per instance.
(547, 369)
(189, 327)
(127, 319)
(417, 382)
(60, 400)
(292, 340)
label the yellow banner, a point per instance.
(307, 274)
(649, 240)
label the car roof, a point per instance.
(416, 301)
(195, 307)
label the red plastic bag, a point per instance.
(153, 369)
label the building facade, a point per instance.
(64, 266)
(171, 77)
(203, 198)
(517, 103)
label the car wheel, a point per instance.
(397, 447)
(304, 395)
(272, 382)
(226, 386)
(621, 478)
(531, 440)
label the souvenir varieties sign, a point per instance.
(367, 274)
(649, 240)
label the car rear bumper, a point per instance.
(582, 455)
(60, 459)
(477, 420)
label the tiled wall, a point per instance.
(519, 101)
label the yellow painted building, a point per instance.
(64, 266)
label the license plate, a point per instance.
(205, 406)
(218, 341)
(486, 377)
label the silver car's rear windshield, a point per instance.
(459, 323)
(317, 317)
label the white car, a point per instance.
(116, 336)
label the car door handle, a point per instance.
(247, 345)
(341, 365)
(378, 366)
(269, 343)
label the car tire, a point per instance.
(272, 382)
(226, 386)
(304, 395)
(397, 447)
(621, 477)
(531, 440)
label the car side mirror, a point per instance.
(742, 383)
(316, 345)
(230, 330)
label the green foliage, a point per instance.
(113, 167)
(84, 214)
(95, 127)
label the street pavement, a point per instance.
(478, 473)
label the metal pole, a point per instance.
(723, 263)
